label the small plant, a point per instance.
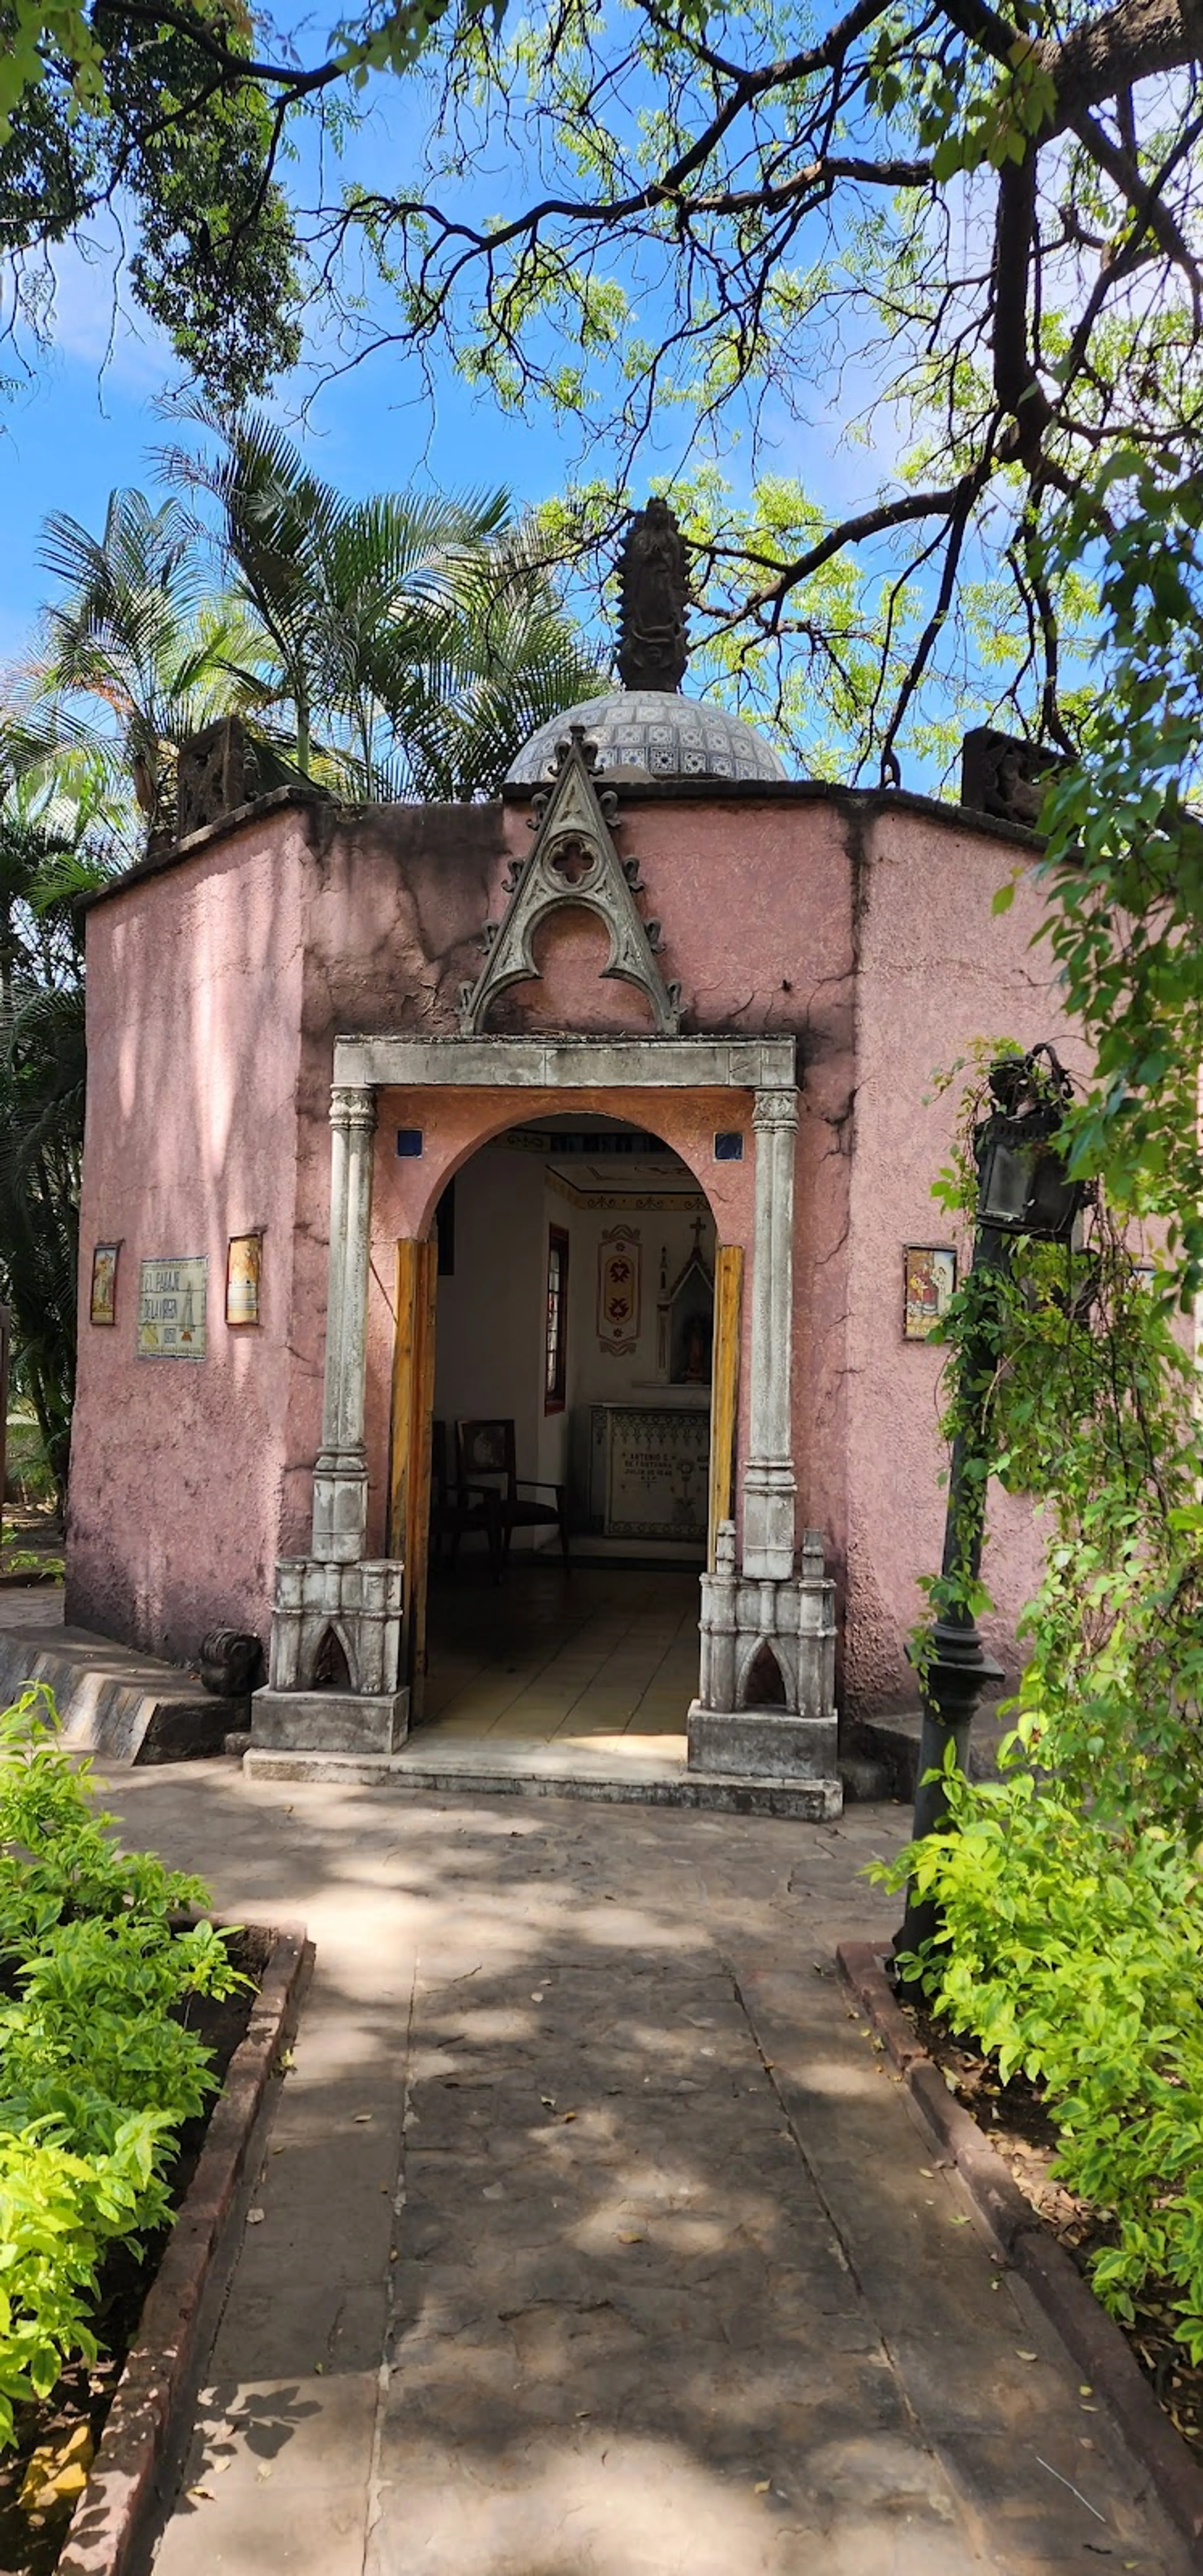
(98, 2069)
(1074, 1953)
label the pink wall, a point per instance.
(937, 972)
(194, 992)
(217, 986)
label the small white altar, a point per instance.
(649, 1469)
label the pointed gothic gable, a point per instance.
(574, 864)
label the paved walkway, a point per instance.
(596, 2239)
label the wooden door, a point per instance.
(409, 1467)
(724, 1399)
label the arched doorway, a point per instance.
(572, 1310)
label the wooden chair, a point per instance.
(467, 1508)
(487, 1449)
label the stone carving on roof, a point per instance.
(654, 571)
(573, 864)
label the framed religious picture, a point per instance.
(244, 1266)
(929, 1278)
(103, 1309)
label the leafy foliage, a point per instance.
(110, 104)
(1075, 1953)
(98, 2069)
(1124, 863)
(1068, 1894)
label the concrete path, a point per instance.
(595, 2237)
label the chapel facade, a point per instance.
(597, 1120)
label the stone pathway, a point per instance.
(596, 2237)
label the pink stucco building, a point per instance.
(305, 1022)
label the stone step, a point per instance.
(892, 1745)
(542, 1771)
(112, 1701)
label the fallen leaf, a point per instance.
(264, 2469)
(631, 2236)
(958, 2220)
(537, 1997)
(762, 2486)
(254, 2217)
(548, 2101)
(201, 2494)
(361, 2119)
(1084, 2388)
(1026, 2356)
(928, 2173)
(568, 2115)
(219, 2467)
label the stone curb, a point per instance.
(1018, 2237)
(115, 2520)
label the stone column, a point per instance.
(340, 1475)
(769, 1485)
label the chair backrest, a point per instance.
(486, 1449)
(438, 1461)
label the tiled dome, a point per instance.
(656, 732)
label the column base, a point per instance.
(329, 1721)
(762, 1744)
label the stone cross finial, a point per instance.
(654, 566)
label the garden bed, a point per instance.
(158, 2315)
(1002, 2144)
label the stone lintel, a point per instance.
(567, 1064)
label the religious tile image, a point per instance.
(172, 1307)
(619, 1258)
(244, 1264)
(929, 1278)
(103, 1309)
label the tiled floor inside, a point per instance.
(604, 1656)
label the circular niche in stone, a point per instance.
(655, 733)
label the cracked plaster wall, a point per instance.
(216, 989)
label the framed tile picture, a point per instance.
(244, 1267)
(929, 1278)
(103, 1308)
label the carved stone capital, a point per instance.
(353, 1109)
(772, 1109)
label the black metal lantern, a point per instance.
(1023, 1185)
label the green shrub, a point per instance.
(98, 2069)
(1073, 1950)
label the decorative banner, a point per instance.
(929, 1278)
(172, 1299)
(618, 1263)
(244, 1264)
(103, 1308)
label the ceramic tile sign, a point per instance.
(244, 1266)
(929, 1279)
(103, 1305)
(172, 1296)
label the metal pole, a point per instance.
(957, 1668)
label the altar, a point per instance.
(649, 1470)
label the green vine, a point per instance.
(1066, 1382)
(1068, 1893)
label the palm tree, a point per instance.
(56, 840)
(412, 642)
(139, 636)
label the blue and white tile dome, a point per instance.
(655, 733)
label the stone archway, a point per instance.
(769, 1600)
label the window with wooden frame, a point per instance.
(555, 1350)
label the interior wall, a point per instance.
(489, 1342)
(489, 1328)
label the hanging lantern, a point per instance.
(1023, 1184)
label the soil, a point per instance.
(1014, 2119)
(30, 2546)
